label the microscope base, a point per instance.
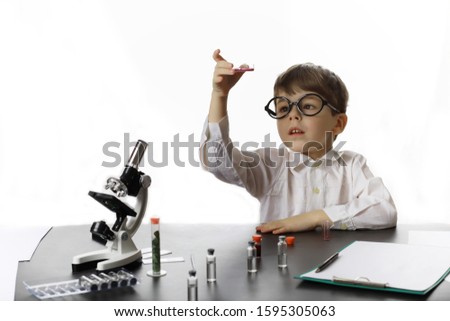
(104, 260)
(119, 253)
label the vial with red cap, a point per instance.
(257, 239)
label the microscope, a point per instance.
(120, 249)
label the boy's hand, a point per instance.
(298, 223)
(224, 76)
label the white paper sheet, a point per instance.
(436, 238)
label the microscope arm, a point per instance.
(141, 205)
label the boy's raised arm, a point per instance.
(223, 80)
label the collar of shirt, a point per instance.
(297, 161)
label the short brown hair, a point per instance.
(311, 77)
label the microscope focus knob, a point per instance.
(145, 181)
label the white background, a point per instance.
(75, 75)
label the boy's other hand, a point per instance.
(224, 76)
(298, 223)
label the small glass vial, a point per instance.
(156, 249)
(128, 277)
(282, 251)
(192, 286)
(102, 283)
(251, 257)
(211, 266)
(257, 238)
(88, 283)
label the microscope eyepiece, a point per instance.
(137, 154)
(131, 177)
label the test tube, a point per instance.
(156, 249)
(156, 245)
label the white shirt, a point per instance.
(288, 183)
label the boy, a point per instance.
(304, 183)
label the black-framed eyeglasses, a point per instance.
(308, 105)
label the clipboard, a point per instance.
(403, 268)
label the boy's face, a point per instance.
(307, 134)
